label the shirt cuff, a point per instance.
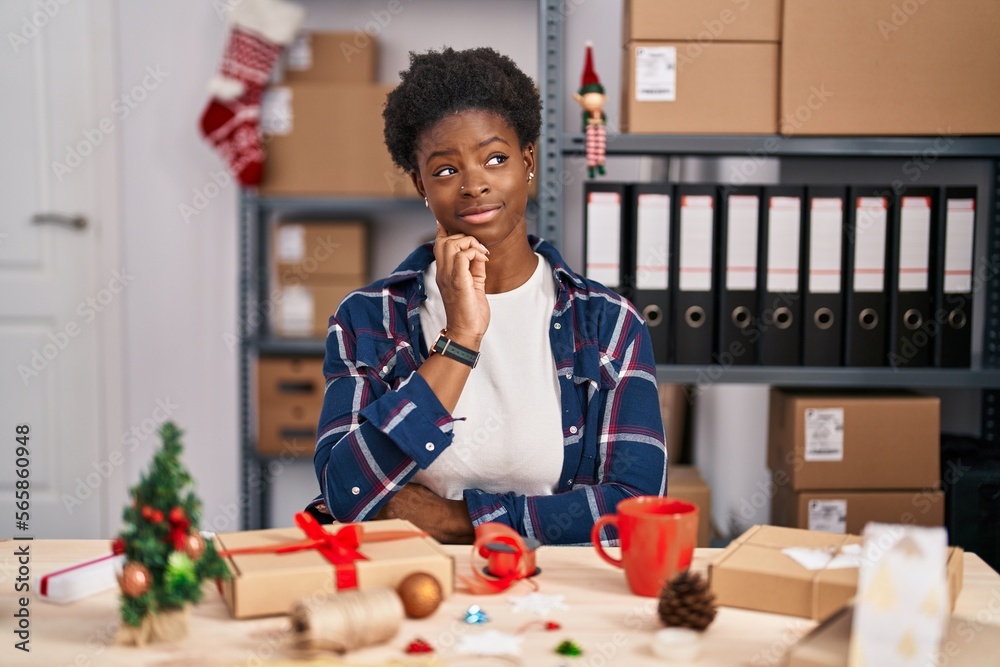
(414, 419)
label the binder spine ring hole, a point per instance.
(912, 319)
(957, 319)
(868, 319)
(653, 315)
(823, 317)
(741, 317)
(782, 318)
(694, 316)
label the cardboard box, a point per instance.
(753, 573)
(674, 412)
(289, 400)
(304, 251)
(332, 57)
(886, 67)
(686, 483)
(269, 584)
(704, 20)
(822, 440)
(304, 311)
(847, 512)
(326, 139)
(966, 643)
(719, 87)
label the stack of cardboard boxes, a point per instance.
(843, 67)
(840, 461)
(323, 123)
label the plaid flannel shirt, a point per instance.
(381, 421)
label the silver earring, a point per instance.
(462, 188)
(426, 203)
(531, 175)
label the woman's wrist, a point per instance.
(469, 340)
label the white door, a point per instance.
(60, 302)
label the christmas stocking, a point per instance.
(259, 31)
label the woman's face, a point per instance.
(474, 174)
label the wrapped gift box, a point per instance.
(267, 584)
(966, 642)
(754, 573)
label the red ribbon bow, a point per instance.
(498, 533)
(340, 547)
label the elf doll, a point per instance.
(591, 97)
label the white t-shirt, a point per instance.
(511, 439)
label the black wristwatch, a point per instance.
(446, 347)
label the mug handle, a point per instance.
(595, 537)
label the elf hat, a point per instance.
(589, 83)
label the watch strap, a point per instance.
(446, 347)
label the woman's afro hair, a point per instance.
(441, 83)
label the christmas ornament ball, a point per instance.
(421, 594)
(135, 579)
(194, 546)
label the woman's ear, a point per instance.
(528, 154)
(418, 183)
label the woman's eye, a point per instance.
(445, 171)
(497, 159)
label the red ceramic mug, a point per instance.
(657, 536)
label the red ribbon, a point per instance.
(493, 533)
(340, 547)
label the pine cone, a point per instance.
(685, 601)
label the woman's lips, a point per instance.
(477, 215)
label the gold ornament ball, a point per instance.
(421, 594)
(135, 579)
(194, 546)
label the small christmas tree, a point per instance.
(166, 558)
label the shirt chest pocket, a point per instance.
(389, 359)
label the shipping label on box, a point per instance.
(268, 584)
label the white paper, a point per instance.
(300, 52)
(296, 311)
(652, 241)
(95, 577)
(901, 607)
(825, 559)
(276, 111)
(656, 73)
(784, 228)
(604, 238)
(696, 244)
(869, 244)
(291, 243)
(824, 434)
(914, 243)
(741, 248)
(826, 221)
(828, 516)
(958, 246)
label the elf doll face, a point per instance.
(591, 101)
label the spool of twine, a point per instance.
(346, 621)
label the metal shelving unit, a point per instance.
(554, 146)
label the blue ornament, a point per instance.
(474, 615)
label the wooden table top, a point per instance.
(612, 625)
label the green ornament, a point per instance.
(569, 648)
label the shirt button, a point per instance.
(569, 376)
(557, 325)
(569, 481)
(355, 490)
(385, 369)
(572, 429)
(429, 446)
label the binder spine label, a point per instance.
(741, 251)
(914, 243)
(826, 219)
(824, 434)
(958, 248)
(652, 241)
(784, 227)
(656, 73)
(869, 244)
(696, 244)
(604, 237)
(828, 516)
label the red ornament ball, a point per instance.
(135, 579)
(118, 546)
(147, 512)
(177, 515)
(157, 516)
